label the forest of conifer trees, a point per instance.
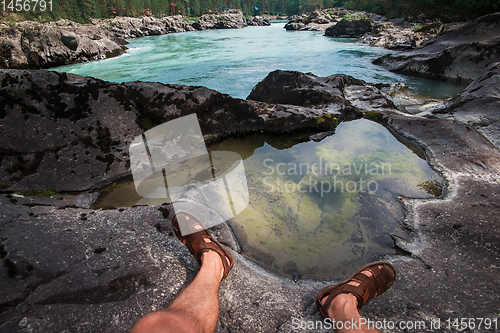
(82, 10)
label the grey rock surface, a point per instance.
(30, 44)
(398, 35)
(294, 26)
(460, 55)
(317, 20)
(341, 91)
(258, 21)
(349, 28)
(391, 34)
(69, 268)
(478, 105)
(131, 27)
(65, 132)
(232, 19)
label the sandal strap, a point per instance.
(196, 241)
(368, 288)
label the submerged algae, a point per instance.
(324, 207)
(321, 209)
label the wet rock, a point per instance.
(312, 27)
(65, 267)
(64, 132)
(294, 26)
(258, 21)
(408, 100)
(341, 91)
(478, 105)
(460, 55)
(232, 19)
(473, 155)
(349, 28)
(104, 272)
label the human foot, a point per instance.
(200, 243)
(368, 282)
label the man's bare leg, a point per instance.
(344, 308)
(196, 309)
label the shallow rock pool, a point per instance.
(319, 209)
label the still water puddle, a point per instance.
(319, 209)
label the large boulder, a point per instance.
(400, 35)
(317, 20)
(349, 28)
(319, 17)
(460, 55)
(131, 27)
(30, 44)
(338, 91)
(294, 26)
(69, 133)
(232, 19)
(258, 21)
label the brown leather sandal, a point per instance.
(369, 287)
(196, 241)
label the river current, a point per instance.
(233, 61)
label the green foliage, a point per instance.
(47, 193)
(196, 9)
(328, 121)
(417, 28)
(375, 116)
(83, 10)
(355, 16)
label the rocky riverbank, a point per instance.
(372, 29)
(477, 105)
(69, 267)
(33, 45)
(463, 53)
(460, 55)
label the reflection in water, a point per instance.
(321, 209)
